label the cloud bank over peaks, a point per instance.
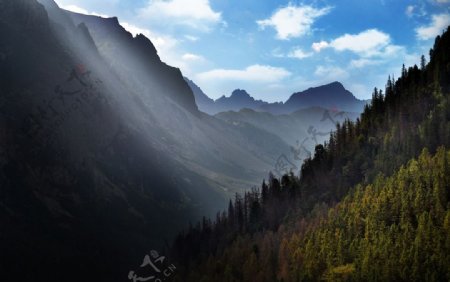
(259, 73)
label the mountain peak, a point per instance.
(240, 93)
(336, 84)
(113, 20)
(333, 86)
(329, 95)
(334, 89)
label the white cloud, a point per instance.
(135, 30)
(390, 51)
(360, 63)
(255, 73)
(298, 53)
(191, 38)
(410, 10)
(365, 42)
(75, 9)
(318, 46)
(438, 24)
(165, 45)
(293, 21)
(359, 90)
(80, 10)
(295, 53)
(192, 57)
(415, 11)
(161, 42)
(99, 5)
(368, 43)
(168, 47)
(277, 53)
(331, 73)
(391, 62)
(193, 13)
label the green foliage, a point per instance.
(371, 205)
(396, 229)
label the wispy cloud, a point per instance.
(363, 62)
(437, 25)
(298, 53)
(368, 43)
(293, 21)
(80, 10)
(318, 46)
(197, 14)
(192, 57)
(191, 38)
(331, 73)
(295, 53)
(135, 30)
(161, 42)
(415, 11)
(259, 73)
(410, 10)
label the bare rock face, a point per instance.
(117, 44)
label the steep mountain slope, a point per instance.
(204, 103)
(371, 204)
(136, 60)
(103, 154)
(302, 130)
(313, 123)
(79, 185)
(221, 153)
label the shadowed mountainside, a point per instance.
(103, 152)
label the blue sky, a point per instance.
(275, 48)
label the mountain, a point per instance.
(103, 152)
(371, 204)
(136, 59)
(203, 102)
(331, 96)
(302, 130)
(213, 149)
(239, 99)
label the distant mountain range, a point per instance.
(331, 96)
(308, 126)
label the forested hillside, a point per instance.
(396, 229)
(363, 208)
